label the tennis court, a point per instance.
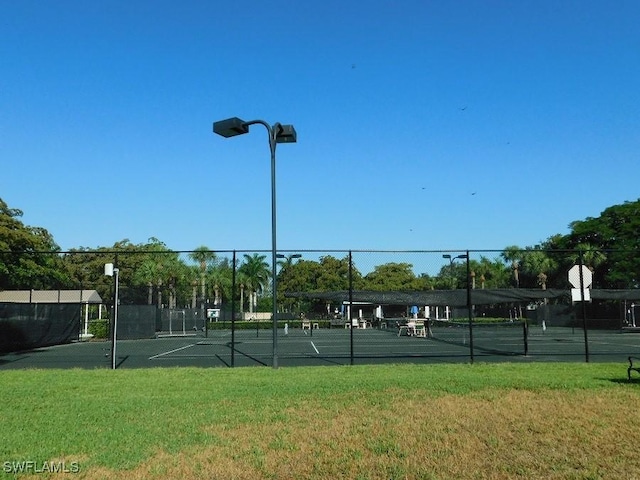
(448, 343)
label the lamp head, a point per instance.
(230, 127)
(293, 255)
(286, 134)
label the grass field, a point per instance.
(543, 420)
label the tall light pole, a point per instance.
(277, 134)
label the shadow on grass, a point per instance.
(623, 380)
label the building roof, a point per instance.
(50, 296)
(458, 298)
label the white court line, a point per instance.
(172, 351)
(314, 347)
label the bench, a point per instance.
(632, 367)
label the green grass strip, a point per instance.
(117, 419)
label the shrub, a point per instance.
(99, 328)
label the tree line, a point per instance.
(154, 274)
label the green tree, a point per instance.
(203, 257)
(220, 277)
(152, 268)
(537, 264)
(452, 275)
(148, 274)
(514, 256)
(138, 264)
(300, 276)
(392, 277)
(591, 255)
(288, 280)
(615, 234)
(255, 273)
(491, 273)
(334, 275)
(29, 257)
(326, 275)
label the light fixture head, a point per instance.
(286, 134)
(293, 255)
(230, 127)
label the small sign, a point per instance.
(576, 296)
(213, 313)
(574, 276)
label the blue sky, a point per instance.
(422, 125)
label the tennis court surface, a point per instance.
(446, 344)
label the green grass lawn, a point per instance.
(556, 420)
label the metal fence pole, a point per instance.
(350, 311)
(114, 343)
(233, 310)
(469, 308)
(584, 310)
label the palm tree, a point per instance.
(174, 272)
(513, 254)
(194, 293)
(146, 274)
(255, 271)
(242, 300)
(538, 264)
(490, 273)
(220, 278)
(592, 257)
(203, 256)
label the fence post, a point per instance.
(584, 310)
(469, 307)
(233, 310)
(350, 310)
(114, 271)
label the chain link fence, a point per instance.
(214, 308)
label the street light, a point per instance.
(289, 257)
(277, 134)
(451, 260)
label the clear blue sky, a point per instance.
(421, 124)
